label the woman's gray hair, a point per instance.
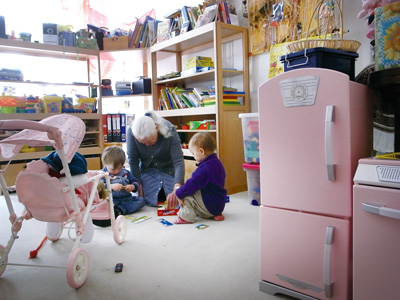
(145, 126)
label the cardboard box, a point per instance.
(198, 63)
(202, 125)
(115, 43)
(162, 210)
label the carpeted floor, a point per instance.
(174, 262)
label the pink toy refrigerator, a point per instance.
(376, 227)
(314, 126)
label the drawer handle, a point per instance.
(381, 210)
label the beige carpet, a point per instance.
(175, 262)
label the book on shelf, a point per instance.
(193, 15)
(162, 31)
(133, 34)
(232, 14)
(144, 34)
(174, 22)
(152, 34)
(196, 102)
(186, 25)
(210, 101)
(201, 92)
(209, 15)
(185, 98)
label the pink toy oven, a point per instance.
(376, 227)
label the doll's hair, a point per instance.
(113, 156)
(203, 140)
(145, 126)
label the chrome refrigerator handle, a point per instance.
(329, 240)
(381, 210)
(329, 120)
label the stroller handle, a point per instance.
(53, 133)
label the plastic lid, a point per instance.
(255, 166)
(248, 115)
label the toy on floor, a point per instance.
(34, 253)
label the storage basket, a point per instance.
(338, 43)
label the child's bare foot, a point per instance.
(219, 217)
(179, 220)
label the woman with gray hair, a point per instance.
(155, 157)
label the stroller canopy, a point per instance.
(72, 131)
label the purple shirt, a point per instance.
(209, 178)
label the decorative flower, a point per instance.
(392, 42)
(391, 10)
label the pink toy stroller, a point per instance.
(57, 201)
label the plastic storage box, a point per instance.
(320, 57)
(253, 182)
(250, 137)
(52, 104)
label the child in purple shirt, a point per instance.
(203, 194)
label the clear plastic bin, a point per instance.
(250, 137)
(253, 182)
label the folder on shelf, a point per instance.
(116, 128)
(123, 127)
(109, 128)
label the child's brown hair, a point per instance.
(113, 156)
(204, 140)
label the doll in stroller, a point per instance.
(57, 189)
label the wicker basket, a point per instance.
(333, 43)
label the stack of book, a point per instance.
(231, 96)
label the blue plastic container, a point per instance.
(320, 57)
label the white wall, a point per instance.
(259, 64)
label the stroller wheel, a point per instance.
(119, 229)
(77, 268)
(54, 231)
(3, 266)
